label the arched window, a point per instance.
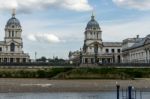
(119, 59)
(12, 47)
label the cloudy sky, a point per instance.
(55, 27)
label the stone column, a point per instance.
(82, 60)
(145, 56)
(116, 59)
(8, 59)
(89, 60)
(148, 55)
(21, 60)
(110, 60)
(2, 59)
(130, 57)
(15, 60)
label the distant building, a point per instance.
(11, 48)
(136, 50)
(94, 49)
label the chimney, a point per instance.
(137, 36)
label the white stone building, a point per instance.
(136, 50)
(94, 49)
(11, 48)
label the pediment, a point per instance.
(12, 41)
(95, 44)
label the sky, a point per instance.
(55, 27)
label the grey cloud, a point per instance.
(27, 6)
(44, 38)
(135, 4)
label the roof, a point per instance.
(132, 40)
(139, 43)
(13, 21)
(112, 44)
(92, 23)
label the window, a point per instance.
(86, 60)
(119, 59)
(0, 49)
(13, 26)
(107, 50)
(5, 60)
(11, 60)
(12, 47)
(112, 50)
(118, 50)
(24, 60)
(12, 33)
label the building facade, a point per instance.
(11, 49)
(94, 49)
(136, 50)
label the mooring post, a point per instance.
(118, 90)
(140, 94)
(130, 92)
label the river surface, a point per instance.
(77, 95)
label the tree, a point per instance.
(42, 59)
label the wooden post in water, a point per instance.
(140, 94)
(118, 90)
(130, 92)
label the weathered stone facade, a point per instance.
(11, 48)
(136, 50)
(94, 49)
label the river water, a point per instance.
(77, 95)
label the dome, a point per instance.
(13, 21)
(92, 23)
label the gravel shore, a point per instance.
(45, 85)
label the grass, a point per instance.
(77, 73)
(107, 73)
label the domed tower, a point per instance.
(11, 47)
(13, 33)
(93, 36)
(93, 30)
(92, 42)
